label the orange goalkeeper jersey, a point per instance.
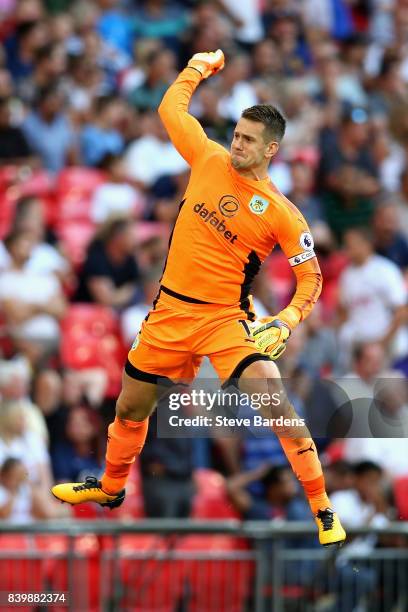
(227, 224)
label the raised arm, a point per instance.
(184, 130)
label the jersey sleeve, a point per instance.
(184, 130)
(296, 241)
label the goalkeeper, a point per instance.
(230, 219)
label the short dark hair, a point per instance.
(363, 231)
(8, 464)
(274, 122)
(364, 467)
(274, 475)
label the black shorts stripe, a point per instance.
(180, 296)
(244, 363)
(156, 299)
(154, 379)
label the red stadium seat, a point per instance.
(20, 575)
(150, 582)
(75, 237)
(91, 339)
(86, 570)
(38, 183)
(211, 500)
(221, 584)
(14, 184)
(75, 187)
(401, 497)
(7, 206)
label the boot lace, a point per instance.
(327, 518)
(90, 483)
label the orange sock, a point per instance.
(125, 440)
(302, 456)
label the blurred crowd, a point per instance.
(89, 189)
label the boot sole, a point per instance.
(337, 544)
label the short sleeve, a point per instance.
(396, 293)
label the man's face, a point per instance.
(368, 485)
(248, 147)
(358, 249)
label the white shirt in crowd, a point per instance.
(44, 259)
(149, 158)
(31, 288)
(115, 199)
(390, 453)
(248, 12)
(30, 448)
(371, 293)
(22, 504)
(242, 95)
(354, 512)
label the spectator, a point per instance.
(332, 262)
(371, 289)
(116, 196)
(83, 83)
(285, 29)
(133, 318)
(339, 476)
(280, 494)
(20, 502)
(302, 178)
(110, 274)
(247, 19)
(102, 135)
(348, 175)
(356, 413)
(115, 27)
(388, 239)
(320, 355)
(266, 69)
(57, 395)
(389, 92)
(21, 47)
(15, 383)
(280, 501)
(14, 148)
(365, 503)
(17, 440)
(44, 257)
(79, 454)
(159, 73)
(234, 92)
(389, 426)
(49, 67)
(216, 126)
(32, 303)
(153, 155)
(401, 202)
(302, 134)
(48, 130)
(156, 20)
(167, 473)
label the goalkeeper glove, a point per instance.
(270, 336)
(208, 63)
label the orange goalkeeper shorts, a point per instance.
(177, 334)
